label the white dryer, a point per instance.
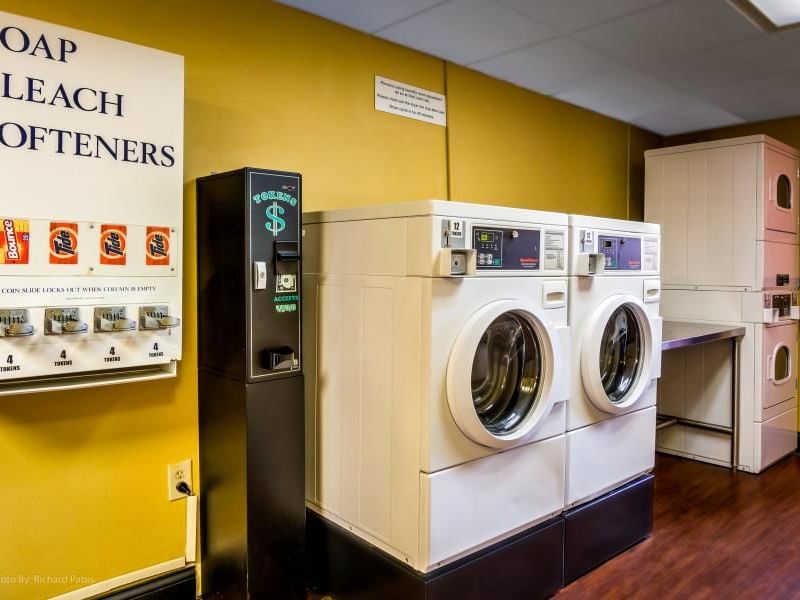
(731, 219)
(614, 291)
(437, 364)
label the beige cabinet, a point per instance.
(728, 213)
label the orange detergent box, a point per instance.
(113, 244)
(15, 242)
(63, 243)
(157, 244)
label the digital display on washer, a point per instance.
(622, 253)
(507, 249)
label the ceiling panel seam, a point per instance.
(407, 17)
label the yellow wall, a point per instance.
(514, 147)
(83, 488)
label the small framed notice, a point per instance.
(408, 101)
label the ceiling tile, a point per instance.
(668, 30)
(789, 39)
(689, 114)
(549, 67)
(570, 15)
(769, 97)
(465, 31)
(366, 15)
(625, 95)
(738, 61)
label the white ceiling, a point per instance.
(670, 66)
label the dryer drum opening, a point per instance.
(621, 350)
(507, 373)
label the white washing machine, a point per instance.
(614, 291)
(437, 364)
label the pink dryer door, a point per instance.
(781, 265)
(780, 344)
(780, 206)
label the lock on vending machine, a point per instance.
(251, 384)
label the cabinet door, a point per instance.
(780, 195)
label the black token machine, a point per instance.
(250, 384)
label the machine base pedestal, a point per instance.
(528, 565)
(599, 530)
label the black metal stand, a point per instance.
(528, 565)
(597, 531)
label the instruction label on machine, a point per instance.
(650, 254)
(553, 250)
(408, 101)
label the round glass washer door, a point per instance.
(500, 373)
(616, 355)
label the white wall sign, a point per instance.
(408, 101)
(91, 128)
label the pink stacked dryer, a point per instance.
(729, 216)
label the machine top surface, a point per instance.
(737, 141)
(445, 208)
(613, 225)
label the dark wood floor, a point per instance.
(716, 535)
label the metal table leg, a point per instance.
(734, 402)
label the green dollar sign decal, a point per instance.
(274, 223)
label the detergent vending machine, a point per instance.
(91, 214)
(250, 384)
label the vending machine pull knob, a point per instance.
(112, 318)
(18, 330)
(168, 322)
(55, 327)
(75, 327)
(14, 322)
(157, 317)
(124, 325)
(58, 321)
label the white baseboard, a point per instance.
(127, 578)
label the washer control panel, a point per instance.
(517, 249)
(622, 253)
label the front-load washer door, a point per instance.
(617, 354)
(500, 373)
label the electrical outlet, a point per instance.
(177, 472)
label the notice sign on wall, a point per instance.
(408, 101)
